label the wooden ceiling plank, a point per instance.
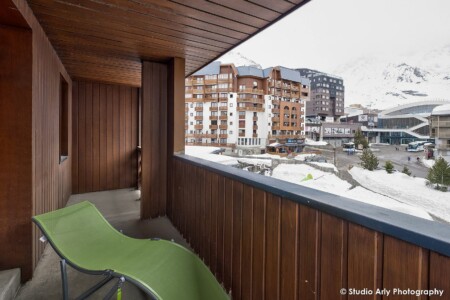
(87, 28)
(138, 46)
(249, 8)
(279, 6)
(221, 11)
(80, 7)
(181, 38)
(184, 15)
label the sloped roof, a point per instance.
(211, 69)
(250, 71)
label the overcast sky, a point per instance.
(324, 34)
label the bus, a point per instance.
(348, 147)
(416, 146)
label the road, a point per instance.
(384, 153)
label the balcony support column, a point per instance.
(162, 132)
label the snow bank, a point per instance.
(255, 161)
(403, 188)
(302, 157)
(205, 152)
(428, 162)
(315, 143)
(325, 165)
(330, 183)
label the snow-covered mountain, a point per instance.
(382, 83)
(238, 60)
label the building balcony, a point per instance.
(241, 134)
(198, 82)
(198, 91)
(213, 117)
(198, 126)
(210, 81)
(213, 127)
(210, 99)
(213, 108)
(251, 91)
(223, 107)
(251, 100)
(210, 91)
(250, 108)
(188, 91)
(188, 83)
(255, 127)
(255, 135)
(225, 80)
(223, 117)
(198, 117)
(223, 127)
(275, 119)
(195, 100)
(223, 135)
(198, 108)
(276, 110)
(223, 99)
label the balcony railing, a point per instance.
(213, 108)
(198, 108)
(251, 100)
(198, 127)
(251, 91)
(270, 239)
(250, 108)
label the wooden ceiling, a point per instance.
(105, 40)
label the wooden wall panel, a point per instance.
(16, 148)
(365, 259)
(104, 154)
(262, 246)
(46, 181)
(405, 266)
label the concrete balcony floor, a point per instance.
(121, 209)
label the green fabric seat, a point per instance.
(163, 269)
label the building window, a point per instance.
(63, 120)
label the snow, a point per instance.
(302, 157)
(329, 182)
(325, 165)
(428, 162)
(255, 161)
(405, 189)
(441, 110)
(315, 143)
(267, 155)
(205, 152)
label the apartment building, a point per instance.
(245, 106)
(327, 94)
(440, 129)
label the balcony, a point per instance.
(241, 134)
(250, 100)
(210, 81)
(251, 91)
(275, 119)
(223, 135)
(223, 107)
(198, 108)
(198, 118)
(195, 100)
(210, 91)
(198, 91)
(188, 82)
(276, 110)
(213, 108)
(223, 117)
(223, 99)
(223, 127)
(255, 127)
(210, 98)
(250, 108)
(198, 126)
(260, 233)
(197, 82)
(213, 127)
(225, 80)
(213, 117)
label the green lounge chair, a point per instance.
(164, 270)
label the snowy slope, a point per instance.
(238, 60)
(382, 83)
